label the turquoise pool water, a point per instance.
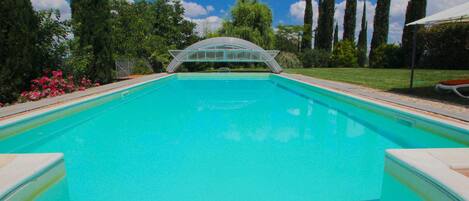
(229, 137)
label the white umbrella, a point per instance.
(455, 14)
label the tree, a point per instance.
(252, 21)
(147, 30)
(316, 42)
(170, 30)
(388, 56)
(92, 28)
(52, 40)
(446, 46)
(344, 54)
(336, 34)
(381, 28)
(315, 58)
(288, 38)
(288, 60)
(325, 25)
(307, 41)
(416, 10)
(18, 36)
(362, 45)
(350, 20)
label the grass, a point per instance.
(384, 79)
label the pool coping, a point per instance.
(27, 175)
(432, 114)
(437, 168)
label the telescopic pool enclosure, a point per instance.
(224, 49)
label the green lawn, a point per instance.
(385, 79)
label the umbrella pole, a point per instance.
(412, 66)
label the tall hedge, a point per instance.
(18, 28)
(92, 30)
(307, 40)
(380, 28)
(362, 45)
(350, 20)
(326, 25)
(416, 9)
(447, 47)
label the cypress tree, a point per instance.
(18, 30)
(316, 42)
(350, 20)
(326, 25)
(91, 27)
(362, 39)
(307, 40)
(336, 34)
(381, 28)
(416, 10)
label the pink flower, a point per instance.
(53, 84)
(57, 73)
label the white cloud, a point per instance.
(210, 8)
(195, 10)
(208, 24)
(434, 6)
(62, 5)
(297, 11)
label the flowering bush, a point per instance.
(54, 84)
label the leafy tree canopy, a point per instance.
(252, 21)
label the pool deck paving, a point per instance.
(444, 110)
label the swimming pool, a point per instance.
(227, 137)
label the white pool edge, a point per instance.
(431, 172)
(25, 176)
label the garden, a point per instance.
(42, 55)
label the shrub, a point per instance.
(344, 55)
(142, 67)
(315, 58)
(447, 46)
(54, 84)
(388, 56)
(288, 60)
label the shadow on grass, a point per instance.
(430, 93)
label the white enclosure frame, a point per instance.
(225, 49)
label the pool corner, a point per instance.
(433, 174)
(26, 176)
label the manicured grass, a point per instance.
(384, 79)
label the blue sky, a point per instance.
(280, 8)
(208, 14)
